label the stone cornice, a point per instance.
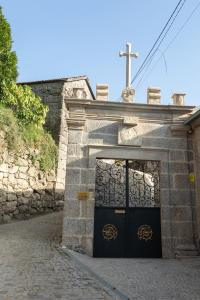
(133, 107)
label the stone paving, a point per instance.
(148, 279)
(32, 268)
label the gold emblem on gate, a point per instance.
(145, 232)
(109, 232)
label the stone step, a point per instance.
(187, 251)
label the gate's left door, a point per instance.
(110, 203)
(109, 232)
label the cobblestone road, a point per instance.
(149, 279)
(31, 267)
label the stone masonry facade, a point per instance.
(194, 131)
(98, 129)
(52, 93)
(25, 190)
(86, 129)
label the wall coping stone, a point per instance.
(130, 106)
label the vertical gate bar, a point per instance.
(127, 185)
(126, 238)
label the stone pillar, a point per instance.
(196, 144)
(153, 95)
(102, 92)
(77, 222)
(62, 156)
(178, 99)
(181, 194)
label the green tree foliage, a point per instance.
(27, 107)
(8, 58)
(22, 113)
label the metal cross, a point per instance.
(128, 55)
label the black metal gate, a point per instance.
(127, 209)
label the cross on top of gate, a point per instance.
(128, 54)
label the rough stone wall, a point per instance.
(196, 160)
(99, 137)
(51, 95)
(24, 189)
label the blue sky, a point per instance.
(68, 38)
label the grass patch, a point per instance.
(41, 140)
(9, 125)
(20, 138)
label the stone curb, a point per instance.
(116, 293)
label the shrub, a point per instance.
(20, 138)
(27, 107)
(9, 126)
(38, 138)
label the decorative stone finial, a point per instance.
(153, 95)
(178, 99)
(128, 95)
(102, 92)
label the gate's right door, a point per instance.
(143, 217)
(143, 233)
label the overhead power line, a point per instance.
(164, 31)
(154, 52)
(171, 42)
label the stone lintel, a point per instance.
(179, 127)
(130, 121)
(76, 124)
(76, 112)
(177, 130)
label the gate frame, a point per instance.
(124, 152)
(127, 208)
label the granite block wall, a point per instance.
(98, 137)
(195, 159)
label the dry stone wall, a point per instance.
(51, 95)
(25, 190)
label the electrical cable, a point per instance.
(157, 40)
(152, 55)
(171, 42)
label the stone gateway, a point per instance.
(152, 205)
(128, 170)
